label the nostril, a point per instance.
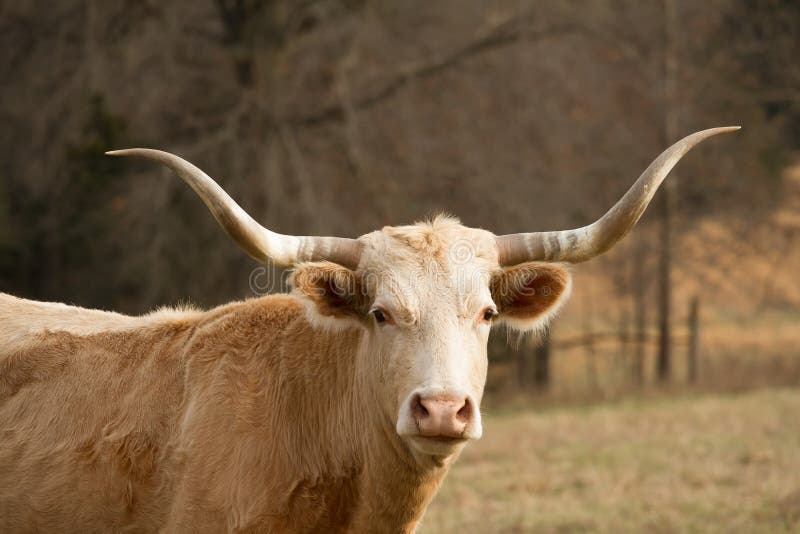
(417, 408)
(465, 412)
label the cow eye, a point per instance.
(380, 316)
(489, 314)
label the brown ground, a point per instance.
(727, 463)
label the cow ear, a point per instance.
(332, 292)
(528, 295)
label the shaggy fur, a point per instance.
(251, 417)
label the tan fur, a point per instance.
(250, 417)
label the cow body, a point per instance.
(242, 418)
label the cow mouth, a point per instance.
(447, 440)
(437, 446)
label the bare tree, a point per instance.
(640, 308)
(668, 197)
(694, 339)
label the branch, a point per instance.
(499, 36)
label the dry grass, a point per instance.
(688, 464)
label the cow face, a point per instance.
(426, 297)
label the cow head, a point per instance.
(427, 295)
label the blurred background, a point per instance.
(337, 117)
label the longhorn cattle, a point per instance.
(336, 408)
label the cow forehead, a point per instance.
(436, 262)
(442, 243)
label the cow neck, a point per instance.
(395, 485)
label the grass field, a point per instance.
(688, 464)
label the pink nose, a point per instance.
(442, 416)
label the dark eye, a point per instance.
(489, 314)
(380, 317)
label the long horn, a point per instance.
(581, 244)
(259, 242)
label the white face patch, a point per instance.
(432, 287)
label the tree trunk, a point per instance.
(663, 367)
(541, 363)
(640, 313)
(624, 334)
(522, 366)
(588, 336)
(694, 339)
(665, 292)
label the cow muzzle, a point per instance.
(441, 416)
(436, 420)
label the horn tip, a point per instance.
(144, 152)
(123, 152)
(705, 134)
